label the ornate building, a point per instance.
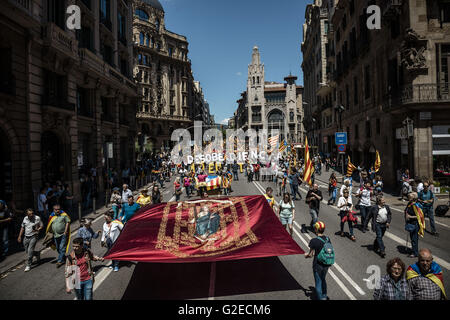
(64, 94)
(271, 105)
(165, 80)
(388, 88)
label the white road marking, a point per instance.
(342, 272)
(338, 281)
(437, 222)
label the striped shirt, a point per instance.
(388, 289)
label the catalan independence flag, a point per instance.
(377, 162)
(434, 275)
(420, 217)
(309, 168)
(52, 219)
(350, 168)
(283, 146)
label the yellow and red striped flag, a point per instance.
(377, 162)
(283, 146)
(308, 165)
(350, 168)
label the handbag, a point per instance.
(410, 227)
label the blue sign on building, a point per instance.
(340, 138)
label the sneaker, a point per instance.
(435, 234)
(353, 238)
(116, 269)
(382, 254)
(27, 268)
(110, 267)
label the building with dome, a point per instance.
(163, 73)
(271, 105)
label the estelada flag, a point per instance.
(53, 217)
(377, 161)
(350, 168)
(435, 275)
(205, 230)
(308, 164)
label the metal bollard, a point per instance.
(79, 213)
(93, 205)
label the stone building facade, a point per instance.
(314, 49)
(164, 76)
(389, 87)
(64, 94)
(271, 105)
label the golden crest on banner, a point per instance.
(205, 228)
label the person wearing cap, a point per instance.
(116, 201)
(86, 232)
(319, 270)
(144, 199)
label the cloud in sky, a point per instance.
(225, 121)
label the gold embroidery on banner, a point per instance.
(184, 230)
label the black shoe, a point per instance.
(382, 254)
(435, 234)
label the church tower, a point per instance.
(255, 92)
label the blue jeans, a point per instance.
(294, 192)
(380, 229)
(236, 177)
(314, 216)
(116, 211)
(60, 244)
(415, 240)
(429, 212)
(85, 291)
(321, 283)
(342, 214)
(364, 210)
(4, 239)
(333, 195)
(115, 263)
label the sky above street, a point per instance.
(221, 36)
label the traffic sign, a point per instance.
(341, 148)
(340, 138)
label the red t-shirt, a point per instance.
(83, 265)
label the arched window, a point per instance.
(147, 40)
(141, 14)
(253, 80)
(157, 24)
(141, 39)
(257, 80)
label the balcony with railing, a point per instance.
(152, 116)
(54, 37)
(418, 94)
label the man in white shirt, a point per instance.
(125, 193)
(111, 231)
(31, 226)
(381, 219)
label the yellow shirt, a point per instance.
(142, 200)
(271, 200)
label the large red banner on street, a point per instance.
(211, 229)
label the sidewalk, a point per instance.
(391, 199)
(15, 260)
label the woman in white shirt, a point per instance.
(345, 206)
(111, 231)
(364, 195)
(286, 212)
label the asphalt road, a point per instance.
(276, 278)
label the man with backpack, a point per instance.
(323, 253)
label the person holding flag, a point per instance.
(309, 167)
(415, 222)
(59, 226)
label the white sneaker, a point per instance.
(27, 268)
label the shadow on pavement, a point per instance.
(158, 281)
